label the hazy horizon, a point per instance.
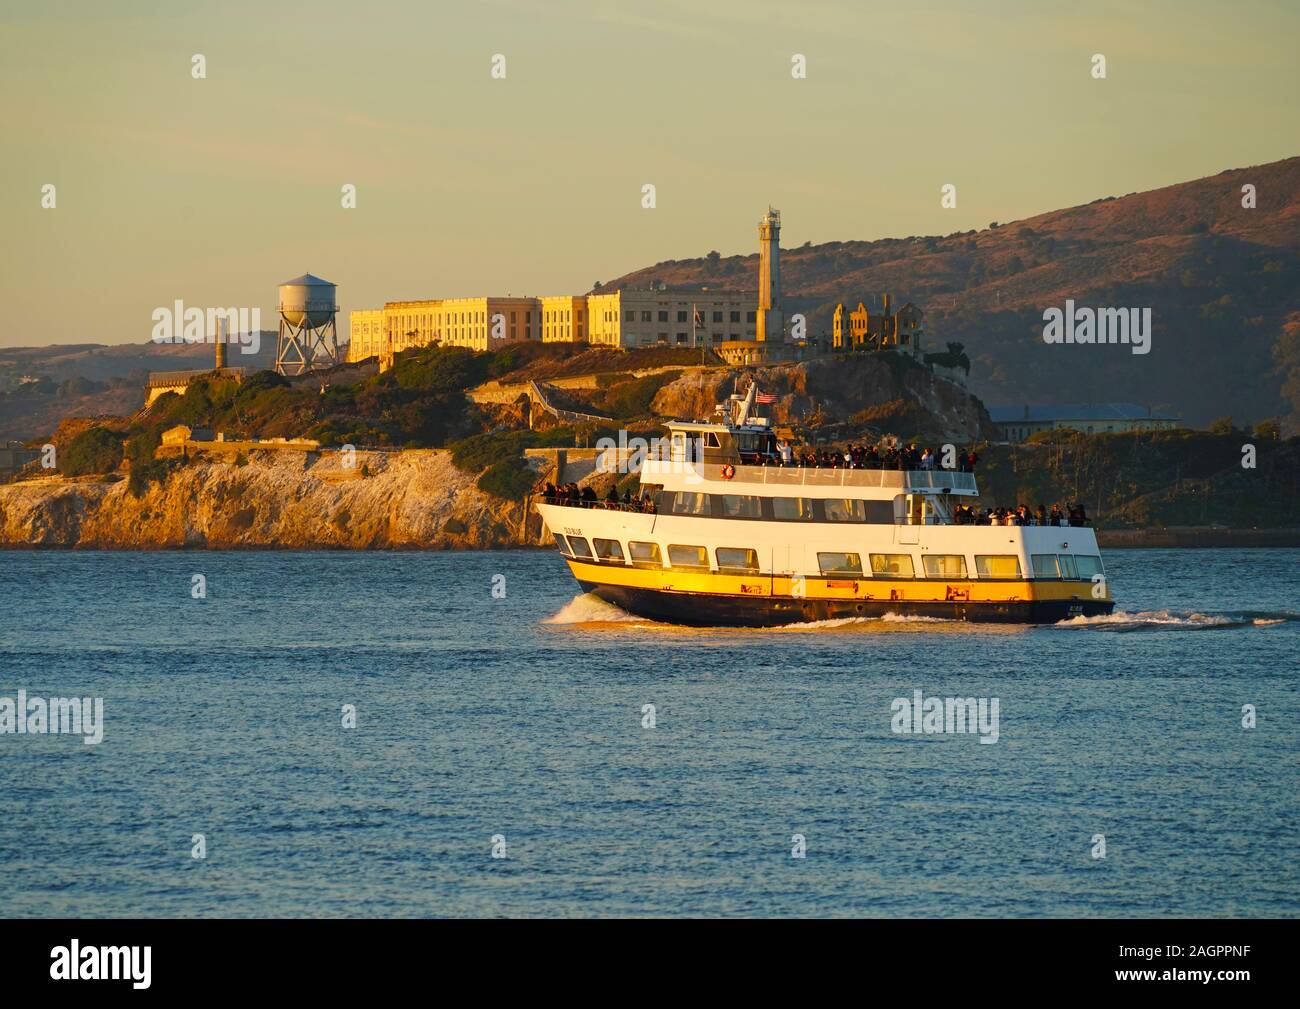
(213, 191)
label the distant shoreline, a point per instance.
(1196, 536)
(1190, 537)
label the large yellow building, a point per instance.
(367, 334)
(618, 319)
(563, 319)
(476, 323)
(670, 318)
(723, 320)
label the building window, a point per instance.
(751, 316)
(681, 316)
(735, 317)
(717, 316)
(646, 316)
(663, 316)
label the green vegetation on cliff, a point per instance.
(1160, 478)
(94, 450)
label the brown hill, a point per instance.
(1221, 281)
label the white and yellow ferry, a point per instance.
(734, 542)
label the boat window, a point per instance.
(1068, 569)
(896, 565)
(944, 565)
(711, 440)
(608, 550)
(845, 510)
(685, 502)
(645, 555)
(737, 560)
(688, 557)
(840, 564)
(997, 565)
(580, 546)
(562, 543)
(880, 512)
(1087, 565)
(792, 509)
(1045, 566)
(741, 506)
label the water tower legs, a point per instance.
(301, 349)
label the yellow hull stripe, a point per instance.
(890, 590)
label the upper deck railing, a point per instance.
(817, 476)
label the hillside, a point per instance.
(1223, 284)
(90, 379)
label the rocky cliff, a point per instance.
(884, 391)
(401, 500)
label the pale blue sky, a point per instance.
(215, 190)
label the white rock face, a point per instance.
(409, 500)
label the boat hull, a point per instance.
(707, 610)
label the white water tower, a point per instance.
(308, 336)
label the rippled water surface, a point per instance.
(522, 717)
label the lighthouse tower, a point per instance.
(770, 320)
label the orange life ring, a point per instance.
(728, 471)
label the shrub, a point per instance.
(474, 454)
(95, 450)
(633, 399)
(509, 478)
(144, 467)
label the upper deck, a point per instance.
(679, 475)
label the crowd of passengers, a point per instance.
(963, 515)
(585, 497)
(1021, 515)
(896, 457)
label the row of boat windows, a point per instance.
(743, 560)
(779, 509)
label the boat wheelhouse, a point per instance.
(731, 537)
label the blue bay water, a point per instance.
(522, 717)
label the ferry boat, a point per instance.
(736, 540)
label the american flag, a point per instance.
(699, 318)
(766, 398)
